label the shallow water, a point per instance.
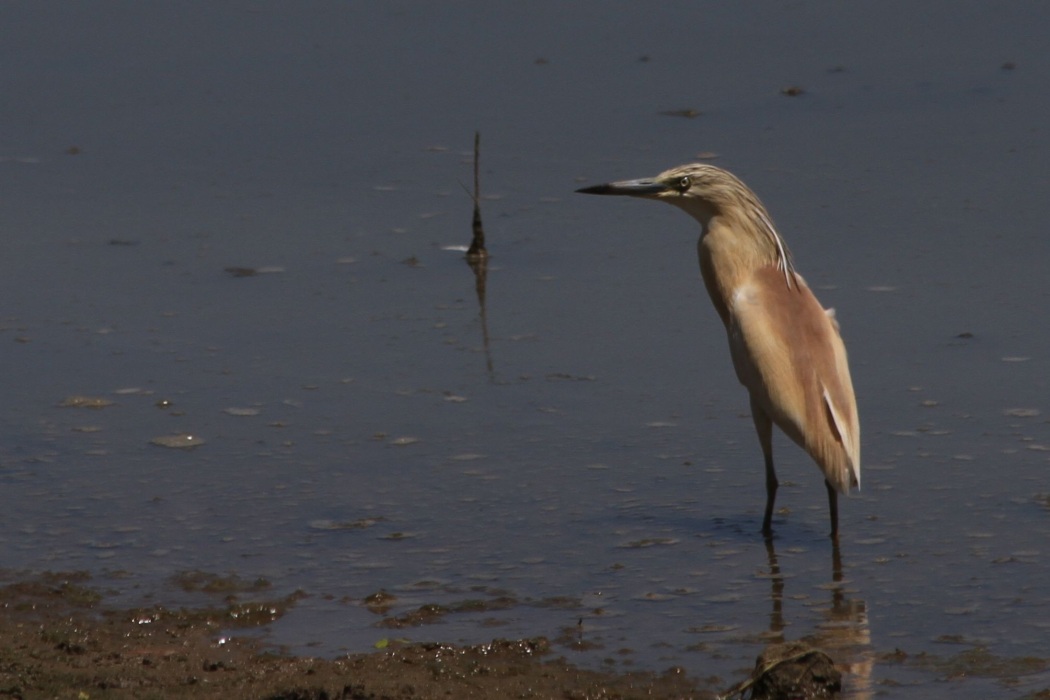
(592, 462)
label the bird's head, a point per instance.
(700, 189)
(705, 192)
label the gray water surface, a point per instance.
(592, 465)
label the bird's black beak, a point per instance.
(632, 188)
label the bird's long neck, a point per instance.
(729, 254)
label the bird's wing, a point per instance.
(788, 353)
(846, 433)
(838, 395)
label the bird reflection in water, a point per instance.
(843, 633)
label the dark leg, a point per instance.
(764, 428)
(833, 506)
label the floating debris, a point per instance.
(402, 441)
(468, 456)
(1022, 412)
(234, 411)
(330, 525)
(241, 271)
(179, 441)
(79, 401)
(253, 271)
(396, 536)
(655, 597)
(564, 376)
(650, 542)
(687, 113)
(792, 91)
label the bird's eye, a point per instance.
(684, 184)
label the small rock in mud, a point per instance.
(208, 582)
(423, 615)
(788, 671)
(380, 602)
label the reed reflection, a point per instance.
(478, 256)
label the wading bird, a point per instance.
(786, 348)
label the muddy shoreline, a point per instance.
(60, 637)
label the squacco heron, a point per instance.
(786, 348)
